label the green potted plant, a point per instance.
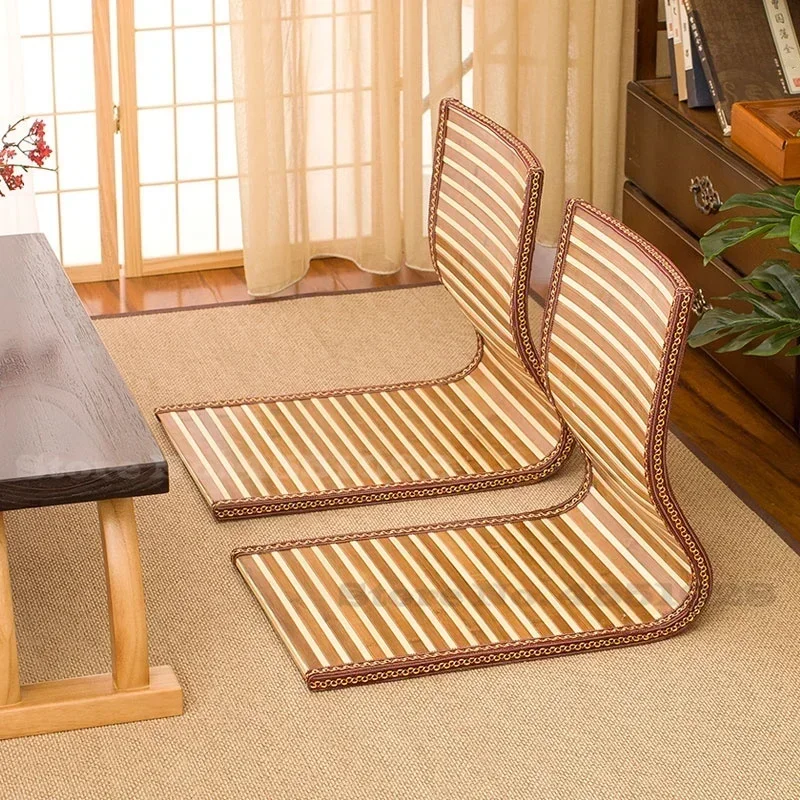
(772, 290)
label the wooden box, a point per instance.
(767, 129)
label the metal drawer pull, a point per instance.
(706, 197)
(700, 305)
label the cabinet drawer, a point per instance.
(665, 154)
(771, 380)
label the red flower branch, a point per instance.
(31, 147)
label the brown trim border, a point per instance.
(524, 345)
(389, 387)
(338, 676)
(386, 493)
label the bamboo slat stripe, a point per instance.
(264, 449)
(272, 455)
(618, 565)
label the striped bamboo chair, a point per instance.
(617, 564)
(487, 426)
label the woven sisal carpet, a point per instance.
(711, 713)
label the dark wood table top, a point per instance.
(70, 431)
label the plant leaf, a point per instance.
(719, 240)
(775, 320)
(751, 220)
(777, 276)
(719, 322)
(794, 232)
(784, 206)
(772, 345)
(779, 231)
(749, 335)
(789, 192)
(777, 309)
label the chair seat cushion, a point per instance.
(361, 608)
(486, 427)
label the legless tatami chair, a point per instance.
(488, 426)
(615, 565)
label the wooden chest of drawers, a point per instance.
(679, 169)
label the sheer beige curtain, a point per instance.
(554, 72)
(333, 139)
(328, 98)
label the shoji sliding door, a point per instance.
(158, 72)
(180, 190)
(67, 64)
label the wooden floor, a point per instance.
(732, 430)
(209, 287)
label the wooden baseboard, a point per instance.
(192, 263)
(89, 702)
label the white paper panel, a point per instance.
(77, 151)
(152, 14)
(154, 68)
(159, 226)
(224, 63)
(70, 16)
(197, 210)
(80, 227)
(74, 72)
(34, 17)
(230, 215)
(226, 140)
(196, 142)
(221, 10)
(193, 12)
(47, 211)
(194, 65)
(156, 145)
(38, 75)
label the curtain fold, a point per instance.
(331, 95)
(555, 74)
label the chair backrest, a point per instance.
(483, 212)
(614, 330)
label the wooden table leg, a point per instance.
(134, 691)
(126, 611)
(9, 671)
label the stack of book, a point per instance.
(725, 51)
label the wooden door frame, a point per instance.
(134, 263)
(106, 128)
(128, 121)
(108, 267)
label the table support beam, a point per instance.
(9, 671)
(132, 692)
(126, 609)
